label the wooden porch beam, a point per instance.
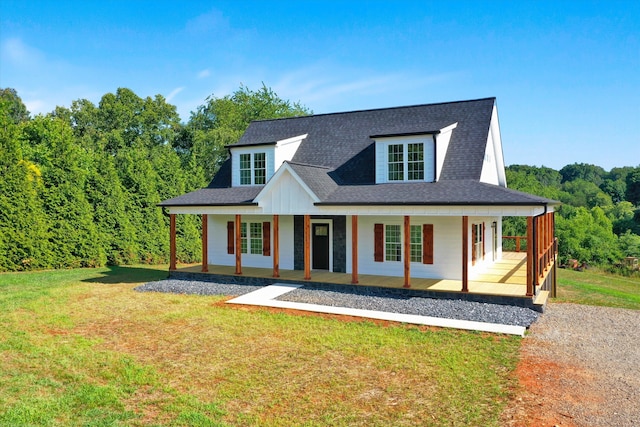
(172, 242)
(531, 257)
(307, 247)
(354, 249)
(407, 251)
(205, 244)
(276, 246)
(465, 253)
(237, 227)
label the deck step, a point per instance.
(541, 298)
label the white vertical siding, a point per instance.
(447, 252)
(217, 242)
(286, 195)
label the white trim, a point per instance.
(419, 211)
(323, 221)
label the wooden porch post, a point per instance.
(238, 245)
(172, 242)
(205, 244)
(276, 246)
(465, 253)
(407, 251)
(307, 247)
(354, 249)
(530, 257)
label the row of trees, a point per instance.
(599, 219)
(79, 186)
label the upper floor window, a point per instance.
(406, 162)
(253, 169)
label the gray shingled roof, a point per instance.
(337, 158)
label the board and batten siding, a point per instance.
(287, 195)
(217, 242)
(447, 253)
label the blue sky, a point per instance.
(566, 74)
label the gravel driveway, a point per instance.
(580, 366)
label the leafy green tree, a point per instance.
(580, 192)
(13, 107)
(630, 244)
(24, 240)
(584, 171)
(221, 122)
(73, 234)
(586, 235)
(633, 186)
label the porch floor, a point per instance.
(506, 277)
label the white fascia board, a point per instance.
(216, 210)
(276, 177)
(443, 210)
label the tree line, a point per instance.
(79, 187)
(599, 219)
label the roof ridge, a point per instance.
(398, 107)
(308, 164)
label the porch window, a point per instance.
(416, 243)
(393, 243)
(387, 245)
(477, 237)
(251, 238)
(253, 168)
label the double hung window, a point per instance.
(253, 169)
(251, 238)
(405, 162)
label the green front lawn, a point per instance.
(80, 347)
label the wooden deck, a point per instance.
(506, 277)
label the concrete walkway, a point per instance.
(266, 297)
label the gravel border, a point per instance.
(365, 300)
(196, 287)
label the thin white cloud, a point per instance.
(18, 54)
(213, 21)
(323, 85)
(204, 73)
(174, 93)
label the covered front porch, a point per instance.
(503, 282)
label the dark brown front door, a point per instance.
(320, 245)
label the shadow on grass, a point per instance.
(129, 274)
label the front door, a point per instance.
(320, 246)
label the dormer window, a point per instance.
(406, 162)
(253, 169)
(405, 158)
